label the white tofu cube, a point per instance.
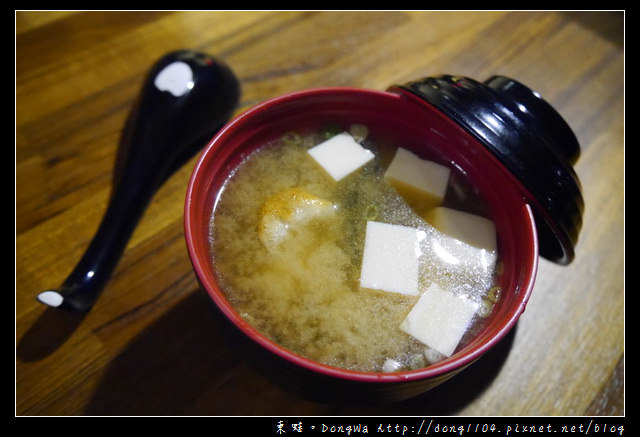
(422, 183)
(475, 230)
(439, 319)
(341, 155)
(390, 259)
(390, 365)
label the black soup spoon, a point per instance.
(186, 98)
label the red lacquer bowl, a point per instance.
(426, 130)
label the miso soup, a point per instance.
(330, 253)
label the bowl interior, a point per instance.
(418, 127)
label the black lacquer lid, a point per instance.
(530, 138)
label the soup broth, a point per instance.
(288, 242)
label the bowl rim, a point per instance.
(454, 363)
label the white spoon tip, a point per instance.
(51, 298)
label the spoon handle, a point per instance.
(83, 285)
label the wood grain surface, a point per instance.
(150, 345)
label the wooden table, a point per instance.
(150, 345)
